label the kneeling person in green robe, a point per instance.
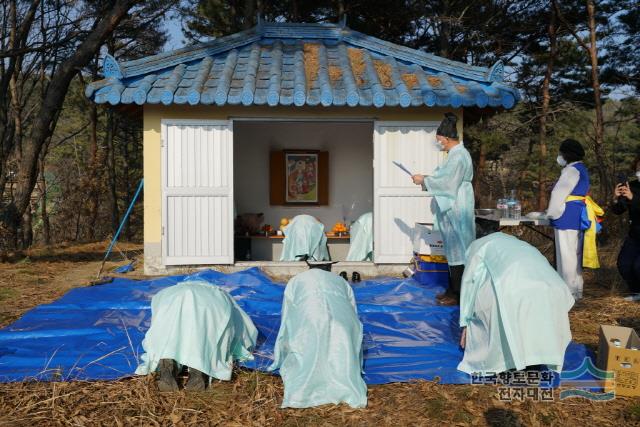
(199, 325)
(319, 345)
(514, 308)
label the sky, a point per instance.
(174, 26)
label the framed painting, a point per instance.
(301, 177)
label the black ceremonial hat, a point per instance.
(448, 126)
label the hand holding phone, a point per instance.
(622, 190)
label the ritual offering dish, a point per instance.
(339, 229)
(267, 229)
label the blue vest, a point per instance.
(571, 218)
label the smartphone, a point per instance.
(622, 178)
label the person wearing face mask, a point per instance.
(566, 214)
(453, 202)
(627, 198)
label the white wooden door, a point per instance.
(197, 192)
(398, 202)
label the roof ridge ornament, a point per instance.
(496, 72)
(111, 68)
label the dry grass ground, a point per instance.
(252, 398)
(43, 275)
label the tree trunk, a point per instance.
(11, 216)
(46, 225)
(92, 175)
(16, 113)
(546, 98)
(111, 171)
(606, 186)
(27, 228)
(340, 9)
(77, 235)
(482, 160)
(18, 36)
(127, 180)
(480, 166)
(522, 174)
(249, 12)
(445, 34)
(44, 122)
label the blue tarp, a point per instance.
(95, 333)
(127, 268)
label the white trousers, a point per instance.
(569, 259)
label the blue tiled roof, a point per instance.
(301, 64)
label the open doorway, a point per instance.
(347, 147)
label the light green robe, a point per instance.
(319, 345)
(304, 236)
(361, 245)
(199, 325)
(515, 307)
(453, 203)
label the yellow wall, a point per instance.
(153, 114)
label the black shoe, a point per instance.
(355, 277)
(197, 380)
(448, 298)
(168, 371)
(343, 274)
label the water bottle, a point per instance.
(517, 210)
(510, 208)
(511, 203)
(502, 208)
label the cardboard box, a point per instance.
(622, 360)
(426, 240)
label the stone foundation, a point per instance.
(153, 266)
(153, 260)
